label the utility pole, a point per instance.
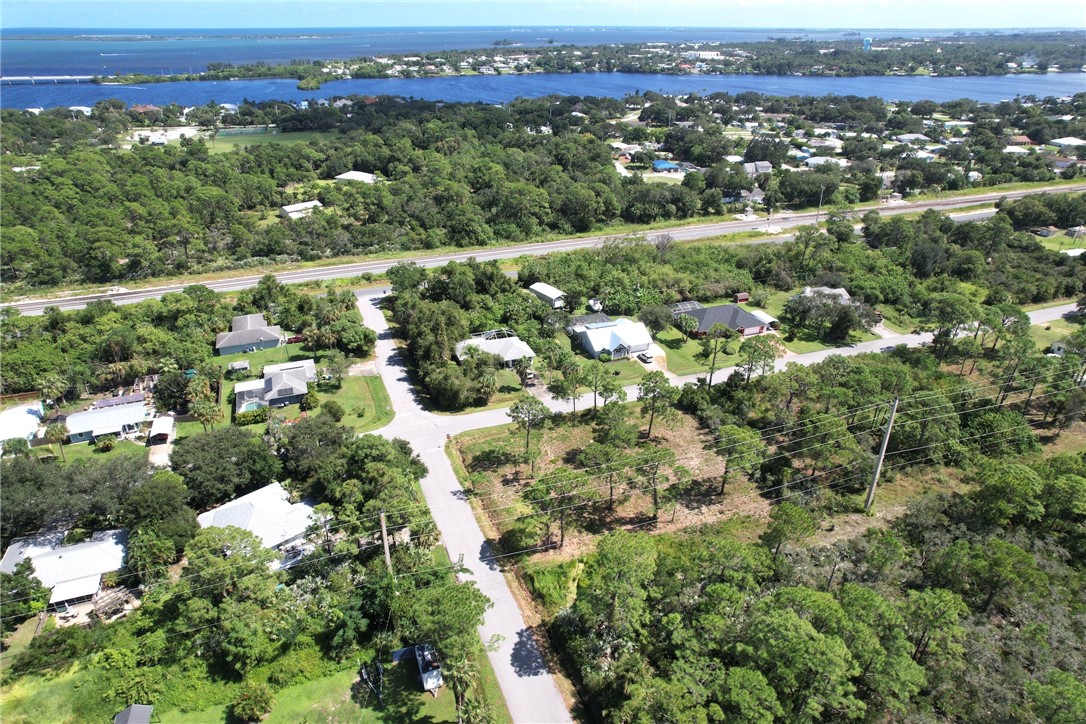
(818, 214)
(882, 455)
(384, 536)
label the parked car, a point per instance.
(645, 357)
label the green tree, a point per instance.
(656, 394)
(612, 596)
(745, 695)
(1060, 698)
(149, 555)
(335, 366)
(253, 702)
(989, 572)
(56, 433)
(21, 596)
(220, 464)
(758, 354)
(741, 448)
(597, 378)
(656, 317)
(788, 524)
(528, 413)
(715, 342)
(206, 412)
(555, 494)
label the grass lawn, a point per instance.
(223, 144)
(1045, 334)
(365, 401)
(774, 305)
(87, 451)
(336, 698)
(681, 353)
(18, 640)
(803, 345)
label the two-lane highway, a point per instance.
(679, 233)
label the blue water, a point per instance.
(501, 89)
(29, 51)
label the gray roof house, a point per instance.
(551, 296)
(730, 315)
(282, 385)
(72, 573)
(757, 167)
(248, 332)
(135, 714)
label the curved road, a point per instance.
(679, 233)
(525, 678)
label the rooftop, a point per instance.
(267, 513)
(71, 571)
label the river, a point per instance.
(501, 89)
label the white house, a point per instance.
(20, 422)
(1016, 151)
(816, 161)
(73, 573)
(502, 342)
(551, 296)
(268, 514)
(117, 420)
(360, 176)
(299, 210)
(1066, 142)
(618, 338)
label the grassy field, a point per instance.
(1049, 332)
(87, 451)
(223, 144)
(682, 353)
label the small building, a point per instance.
(268, 514)
(135, 714)
(162, 429)
(299, 210)
(282, 385)
(119, 420)
(618, 338)
(731, 316)
(551, 296)
(741, 297)
(661, 166)
(912, 138)
(356, 176)
(501, 342)
(1016, 151)
(73, 573)
(21, 422)
(770, 321)
(248, 333)
(1044, 231)
(816, 161)
(241, 365)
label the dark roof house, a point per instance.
(731, 316)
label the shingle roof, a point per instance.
(247, 329)
(267, 513)
(729, 315)
(80, 565)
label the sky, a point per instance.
(811, 14)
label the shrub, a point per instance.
(253, 702)
(252, 417)
(311, 401)
(605, 357)
(333, 409)
(105, 444)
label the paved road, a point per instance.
(344, 271)
(524, 677)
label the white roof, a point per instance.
(1067, 141)
(308, 366)
(762, 315)
(547, 290)
(22, 421)
(620, 332)
(107, 418)
(162, 426)
(249, 385)
(1017, 150)
(267, 513)
(820, 160)
(366, 178)
(302, 206)
(510, 349)
(71, 571)
(1074, 252)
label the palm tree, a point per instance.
(57, 433)
(53, 387)
(207, 412)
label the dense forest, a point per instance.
(967, 608)
(464, 175)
